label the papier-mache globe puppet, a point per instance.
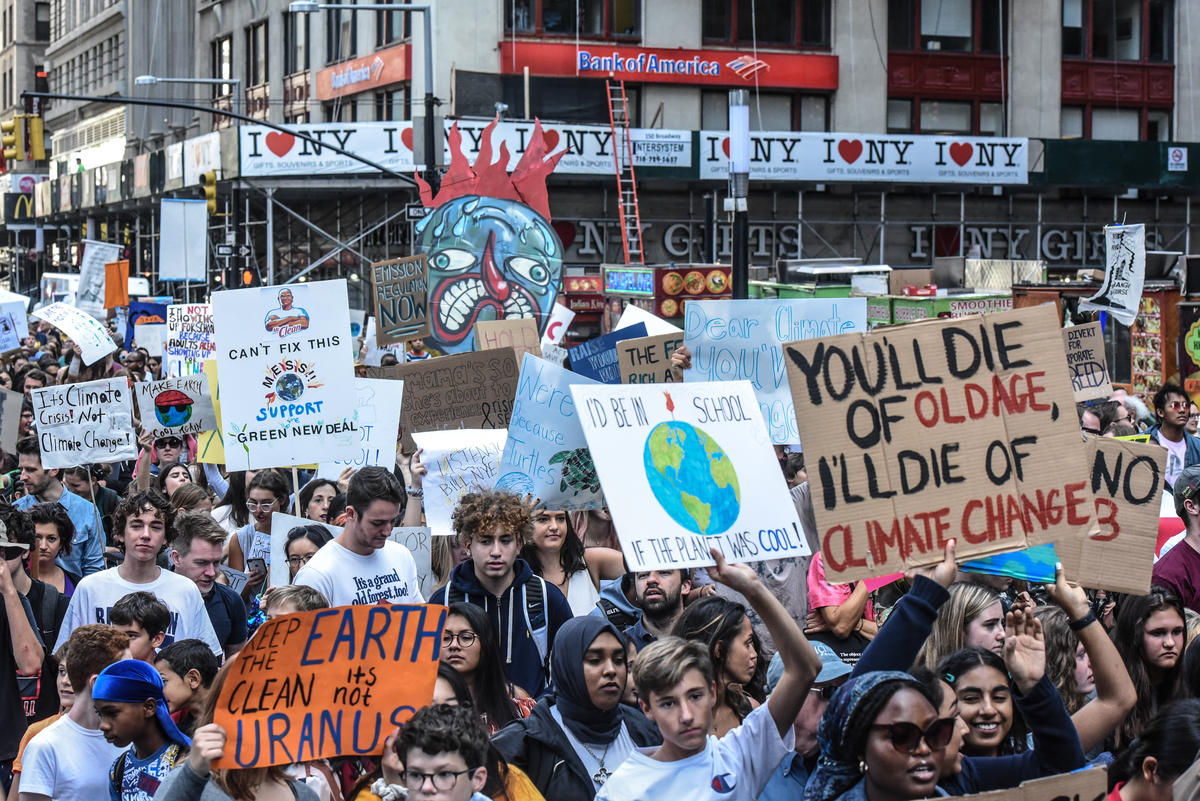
(492, 252)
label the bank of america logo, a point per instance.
(746, 67)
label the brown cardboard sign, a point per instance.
(1082, 785)
(960, 429)
(1085, 357)
(647, 360)
(1127, 480)
(401, 288)
(465, 390)
(519, 333)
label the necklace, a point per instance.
(601, 775)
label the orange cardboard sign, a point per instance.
(116, 283)
(334, 682)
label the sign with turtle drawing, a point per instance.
(546, 454)
(688, 467)
(176, 406)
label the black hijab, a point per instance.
(588, 722)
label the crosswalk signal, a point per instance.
(37, 139)
(12, 137)
(249, 277)
(209, 181)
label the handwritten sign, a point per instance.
(687, 468)
(1085, 358)
(377, 417)
(466, 390)
(947, 429)
(189, 339)
(143, 313)
(1082, 785)
(556, 329)
(84, 330)
(334, 682)
(176, 406)
(459, 461)
(419, 541)
(1124, 273)
(84, 423)
(284, 374)
(16, 305)
(374, 352)
(597, 358)
(743, 339)
(518, 333)
(401, 299)
(647, 360)
(546, 454)
(655, 325)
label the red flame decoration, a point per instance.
(670, 404)
(527, 184)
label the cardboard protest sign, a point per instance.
(689, 468)
(736, 339)
(1085, 357)
(275, 546)
(236, 578)
(176, 406)
(189, 339)
(84, 423)
(597, 358)
(655, 325)
(150, 336)
(459, 461)
(401, 288)
(210, 445)
(1124, 273)
(142, 313)
(518, 333)
(467, 390)
(9, 339)
(1082, 785)
(560, 322)
(334, 682)
(546, 454)
(284, 374)
(945, 429)
(84, 330)
(377, 417)
(419, 542)
(116, 283)
(647, 360)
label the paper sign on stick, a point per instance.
(735, 339)
(10, 419)
(189, 339)
(647, 360)
(1124, 273)
(687, 468)
(210, 446)
(176, 406)
(597, 358)
(401, 299)
(459, 461)
(85, 423)
(116, 283)
(960, 429)
(373, 356)
(377, 417)
(83, 329)
(546, 454)
(519, 333)
(334, 682)
(1085, 357)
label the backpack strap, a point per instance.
(537, 617)
(49, 607)
(117, 774)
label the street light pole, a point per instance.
(238, 99)
(739, 189)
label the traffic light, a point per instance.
(209, 181)
(12, 137)
(250, 277)
(37, 139)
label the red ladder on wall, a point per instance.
(631, 220)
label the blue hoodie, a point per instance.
(523, 662)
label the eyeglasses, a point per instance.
(465, 638)
(257, 505)
(298, 561)
(906, 737)
(1178, 406)
(443, 780)
(827, 692)
(169, 442)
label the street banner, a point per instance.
(648, 360)
(89, 296)
(85, 423)
(597, 358)
(519, 333)
(377, 417)
(84, 330)
(189, 339)
(459, 461)
(1124, 273)
(179, 406)
(183, 239)
(401, 289)
(1085, 357)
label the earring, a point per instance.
(862, 766)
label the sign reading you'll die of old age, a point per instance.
(956, 429)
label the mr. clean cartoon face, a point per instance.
(489, 259)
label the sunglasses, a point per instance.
(170, 442)
(906, 737)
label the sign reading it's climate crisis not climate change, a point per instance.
(283, 375)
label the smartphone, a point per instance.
(256, 564)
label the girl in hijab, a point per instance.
(576, 737)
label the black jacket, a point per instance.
(538, 746)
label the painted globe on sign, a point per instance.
(692, 478)
(516, 483)
(289, 387)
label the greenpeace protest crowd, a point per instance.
(147, 595)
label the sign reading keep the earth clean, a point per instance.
(686, 467)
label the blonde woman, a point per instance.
(972, 618)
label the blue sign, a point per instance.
(597, 358)
(1030, 564)
(143, 313)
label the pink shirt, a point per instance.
(822, 593)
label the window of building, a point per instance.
(768, 112)
(1158, 125)
(899, 116)
(341, 34)
(390, 26)
(945, 116)
(929, 116)
(814, 113)
(1122, 124)
(391, 105)
(222, 64)
(340, 111)
(256, 54)
(585, 18)
(991, 119)
(952, 26)
(296, 39)
(770, 23)
(41, 22)
(1119, 30)
(1071, 122)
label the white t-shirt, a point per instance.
(96, 594)
(346, 578)
(1176, 457)
(590, 754)
(67, 762)
(735, 767)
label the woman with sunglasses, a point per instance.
(267, 494)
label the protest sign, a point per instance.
(1085, 357)
(84, 423)
(9, 340)
(116, 283)
(89, 294)
(560, 322)
(142, 313)
(736, 339)
(1124, 273)
(377, 417)
(210, 445)
(647, 360)
(518, 333)
(546, 454)
(236, 578)
(189, 339)
(175, 406)
(284, 374)
(597, 358)
(708, 474)
(1034, 564)
(419, 541)
(401, 288)
(10, 419)
(275, 546)
(334, 682)
(18, 306)
(467, 390)
(944, 429)
(150, 336)
(1082, 785)
(84, 330)
(655, 325)
(373, 355)
(459, 461)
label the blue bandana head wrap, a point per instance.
(132, 681)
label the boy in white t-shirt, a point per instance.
(674, 680)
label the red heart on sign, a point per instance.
(406, 137)
(551, 138)
(280, 143)
(850, 150)
(961, 152)
(725, 146)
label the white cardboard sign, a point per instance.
(85, 423)
(84, 330)
(377, 417)
(459, 461)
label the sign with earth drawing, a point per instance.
(175, 406)
(688, 467)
